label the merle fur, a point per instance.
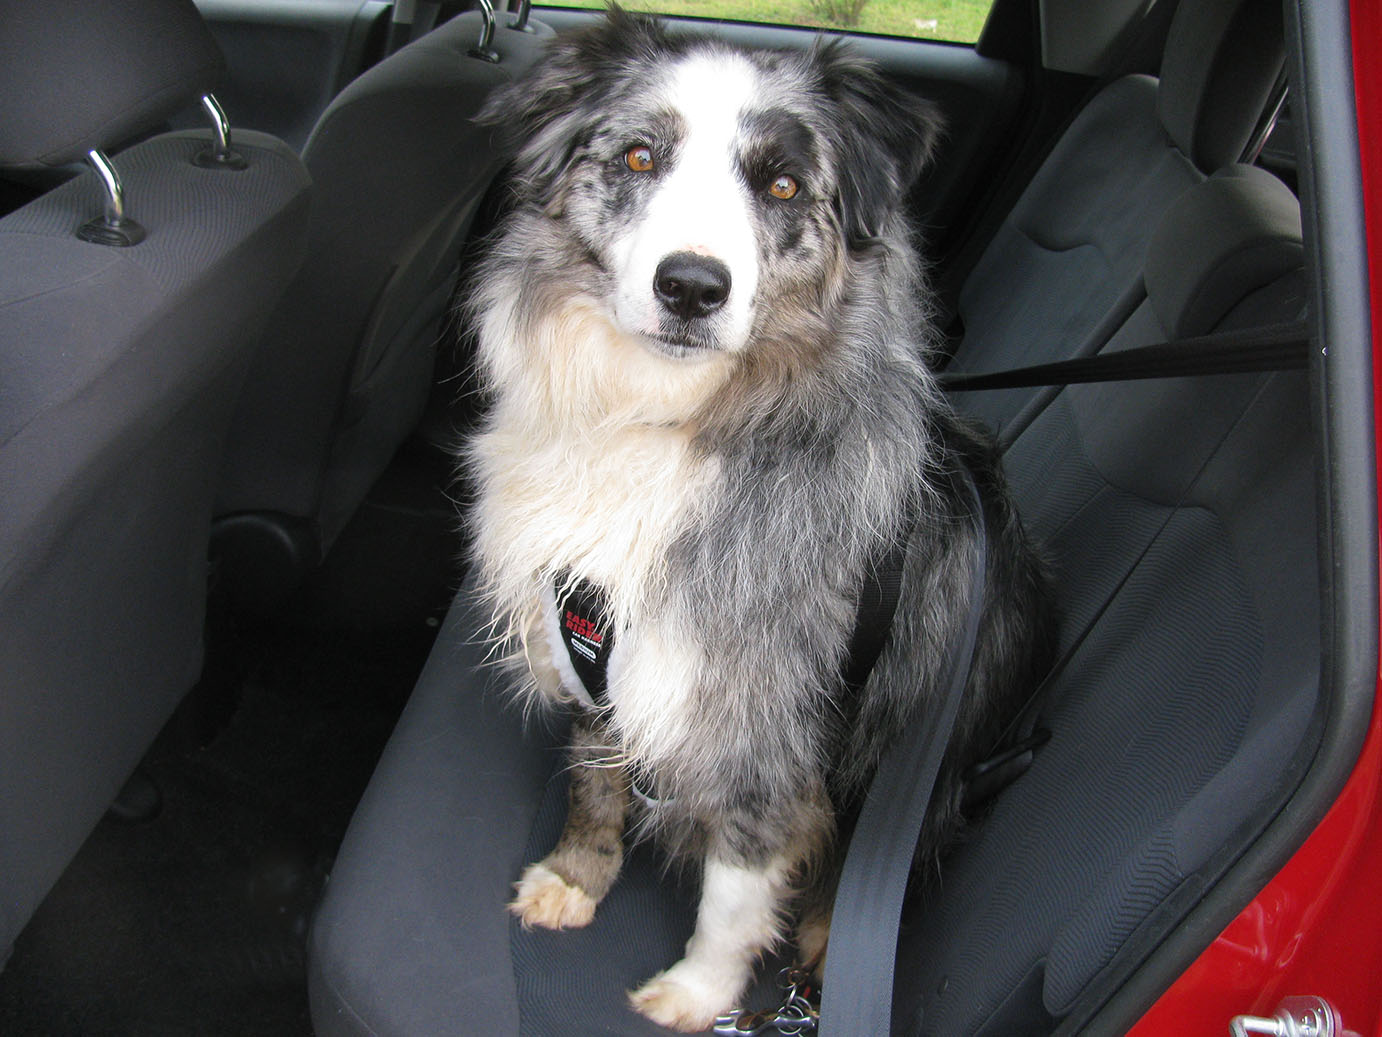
(834, 442)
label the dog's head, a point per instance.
(702, 184)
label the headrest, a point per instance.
(78, 76)
(1221, 61)
(1219, 241)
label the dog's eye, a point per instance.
(639, 159)
(784, 187)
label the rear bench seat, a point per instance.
(1179, 515)
(1184, 703)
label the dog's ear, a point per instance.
(543, 117)
(886, 138)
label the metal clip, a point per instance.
(798, 1014)
(744, 1023)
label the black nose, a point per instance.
(691, 286)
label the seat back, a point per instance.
(399, 167)
(118, 368)
(1062, 272)
(1179, 517)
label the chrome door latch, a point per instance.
(1295, 1017)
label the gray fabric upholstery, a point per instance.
(1221, 63)
(1072, 247)
(118, 369)
(399, 168)
(93, 75)
(1176, 717)
(1236, 231)
(1063, 268)
(412, 936)
(1190, 697)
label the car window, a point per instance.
(956, 21)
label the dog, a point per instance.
(705, 336)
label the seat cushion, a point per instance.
(413, 936)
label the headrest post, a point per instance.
(483, 49)
(114, 227)
(520, 21)
(110, 180)
(1267, 123)
(220, 155)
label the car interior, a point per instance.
(256, 775)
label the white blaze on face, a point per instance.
(701, 205)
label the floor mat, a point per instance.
(194, 921)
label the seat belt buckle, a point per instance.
(985, 780)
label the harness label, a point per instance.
(585, 633)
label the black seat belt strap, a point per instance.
(1279, 347)
(858, 989)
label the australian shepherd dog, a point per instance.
(704, 332)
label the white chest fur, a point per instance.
(588, 468)
(603, 509)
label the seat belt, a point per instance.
(857, 992)
(856, 996)
(1277, 347)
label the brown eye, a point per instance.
(639, 159)
(783, 187)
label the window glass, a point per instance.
(957, 21)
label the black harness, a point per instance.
(588, 634)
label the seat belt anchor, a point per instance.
(986, 779)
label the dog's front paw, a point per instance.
(813, 938)
(682, 998)
(542, 897)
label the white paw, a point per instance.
(682, 998)
(542, 897)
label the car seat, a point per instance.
(130, 300)
(399, 168)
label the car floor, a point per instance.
(194, 920)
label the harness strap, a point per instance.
(873, 618)
(587, 632)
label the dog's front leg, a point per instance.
(562, 891)
(739, 917)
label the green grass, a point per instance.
(958, 21)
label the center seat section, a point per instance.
(1062, 272)
(1179, 516)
